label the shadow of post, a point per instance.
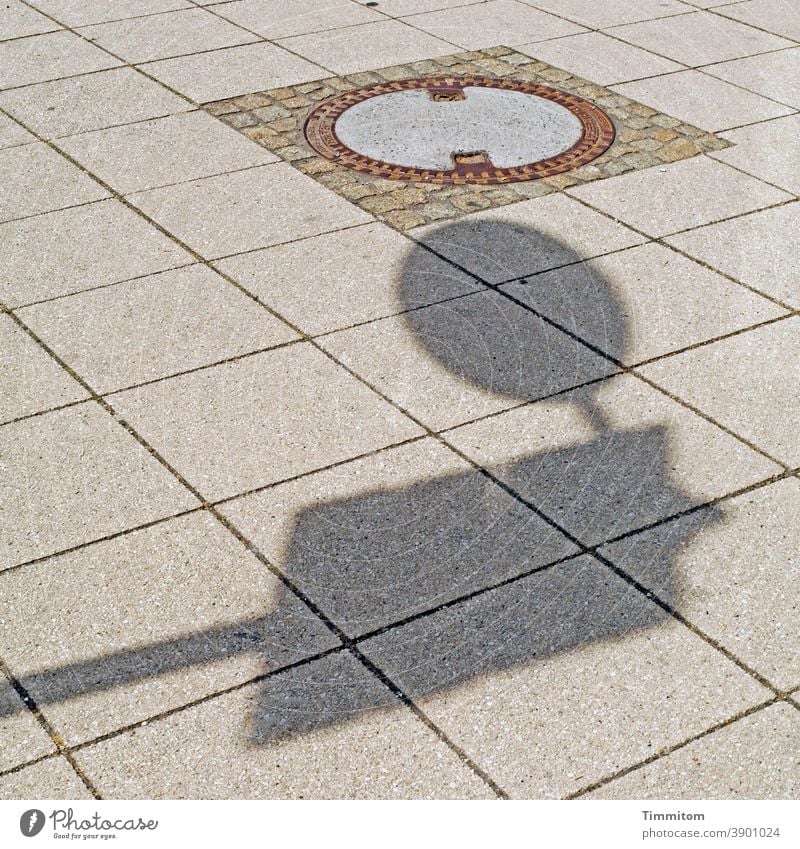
(397, 556)
(475, 549)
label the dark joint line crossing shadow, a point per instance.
(377, 559)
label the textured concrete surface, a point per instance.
(58, 253)
(49, 779)
(528, 237)
(161, 324)
(420, 380)
(700, 39)
(719, 377)
(370, 745)
(759, 250)
(30, 380)
(669, 302)
(611, 457)
(74, 475)
(350, 287)
(169, 150)
(704, 101)
(767, 151)
(311, 413)
(23, 737)
(717, 192)
(754, 611)
(498, 21)
(35, 179)
(138, 600)
(542, 658)
(316, 485)
(464, 534)
(751, 759)
(91, 102)
(599, 57)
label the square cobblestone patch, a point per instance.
(275, 120)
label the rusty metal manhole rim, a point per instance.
(596, 137)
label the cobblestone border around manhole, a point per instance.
(597, 133)
(275, 120)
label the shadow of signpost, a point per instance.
(405, 554)
(381, 563)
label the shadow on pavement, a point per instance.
(393, 554)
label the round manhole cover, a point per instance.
(459, 130)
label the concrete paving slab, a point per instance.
(91, 102)
(152, 37)
(169, 150)
(749, 383)
(24, 739)
(80, 248)
(47, 57)
(76, 476)
(775, 75)
(767, 150)
(157, 618)
(51, 779)
(777, 16)
(496, 22)
(34, 179)
(393, 535)
(31, 380)
(749, 759)
(360, 742)
(643, 302)
(527, 237)
(703, 101)
(707, 4)
(12, 134)
(20, 20)
(753, 612)
(656, 200)
(608, 459)
(233, 71)
(238, 212)
(759, 249)
(273, 19)
(361, 48)
(562, 678)
(599, 58)
(701, 39)
(612, 13)
(398, 8)
(466, 358)
(160, 325)
(347, 285)
(261, 419)
(76, 13)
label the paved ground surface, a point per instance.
(294, 504)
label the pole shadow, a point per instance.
(403, 555)
(413, 553)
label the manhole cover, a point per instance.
(459, 130)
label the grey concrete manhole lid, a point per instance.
(459, 130)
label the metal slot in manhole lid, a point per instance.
(459, 130)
